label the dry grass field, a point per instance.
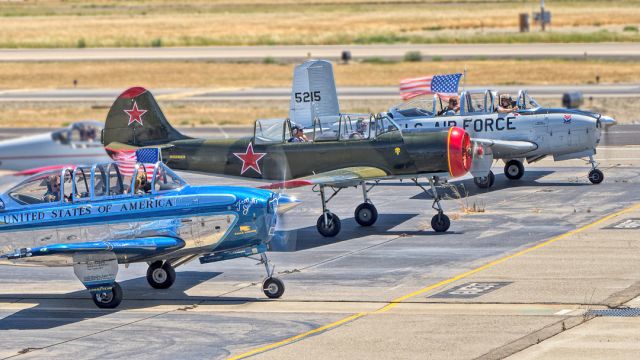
(230, 75)
(75, 23)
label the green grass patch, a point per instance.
(413, 56)
(377, 60)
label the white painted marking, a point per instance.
(563, 312)
(224, 133)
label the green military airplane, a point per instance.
(347, 150)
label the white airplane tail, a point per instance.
(313, 93)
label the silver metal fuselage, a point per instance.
(559, 134)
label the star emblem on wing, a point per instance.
(250, 159)
(135, 114)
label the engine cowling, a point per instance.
(459, 152)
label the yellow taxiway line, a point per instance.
(393, 303)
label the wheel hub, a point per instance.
(272, 288)
(365, 214)
(104, 297)
(159, 275)
(513, 170)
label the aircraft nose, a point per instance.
(286, 203)
(607, 121)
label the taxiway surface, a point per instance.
(333, 52)
(389, 291)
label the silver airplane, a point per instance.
(79, 143)
(513, 131)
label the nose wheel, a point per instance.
(106, 299)
(271, 286)
(514, 170)
(161, 276)
(440, 222)
(595, 175)
(485, 182)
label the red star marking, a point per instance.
(250, 160)
(135, 114)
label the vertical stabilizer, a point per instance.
(313, 93)
(135, 119)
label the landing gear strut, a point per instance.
(439, 222)
(328, 224)
(513, 169)
(366, 213)
(271, 286)
(161, 276)
(485, 182)
(595, 175)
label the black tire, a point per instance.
(485, 182)
(514, 170)
(105, 300)
(366, 214)
(161, 276)
(332, 229)
(440, 222)
(273, 287)
(596, 176)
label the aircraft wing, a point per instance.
(349, 176)
(132, 247)
(507, 147)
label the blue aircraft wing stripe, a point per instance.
(142, 245)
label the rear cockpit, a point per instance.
(92, 183)
(344, 127)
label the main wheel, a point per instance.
(108, 300)
(596, 176)
(366, 214)
(485, 182)
(440, 222)
(273, 287)
(513, 170)
(331, 228)
(161, 276)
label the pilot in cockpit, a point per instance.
(452, 108)
(298, 134)
(53, 189)
(360, 132)
(506, 105)
(142, 185)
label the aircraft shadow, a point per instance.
(55, 310)
(308, 237)
(468, 187)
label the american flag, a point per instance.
(127, 160)
(446, 85)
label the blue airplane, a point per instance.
(97, 217)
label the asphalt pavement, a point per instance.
(493, 284)
(301, 52)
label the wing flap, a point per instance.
(340, 177)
